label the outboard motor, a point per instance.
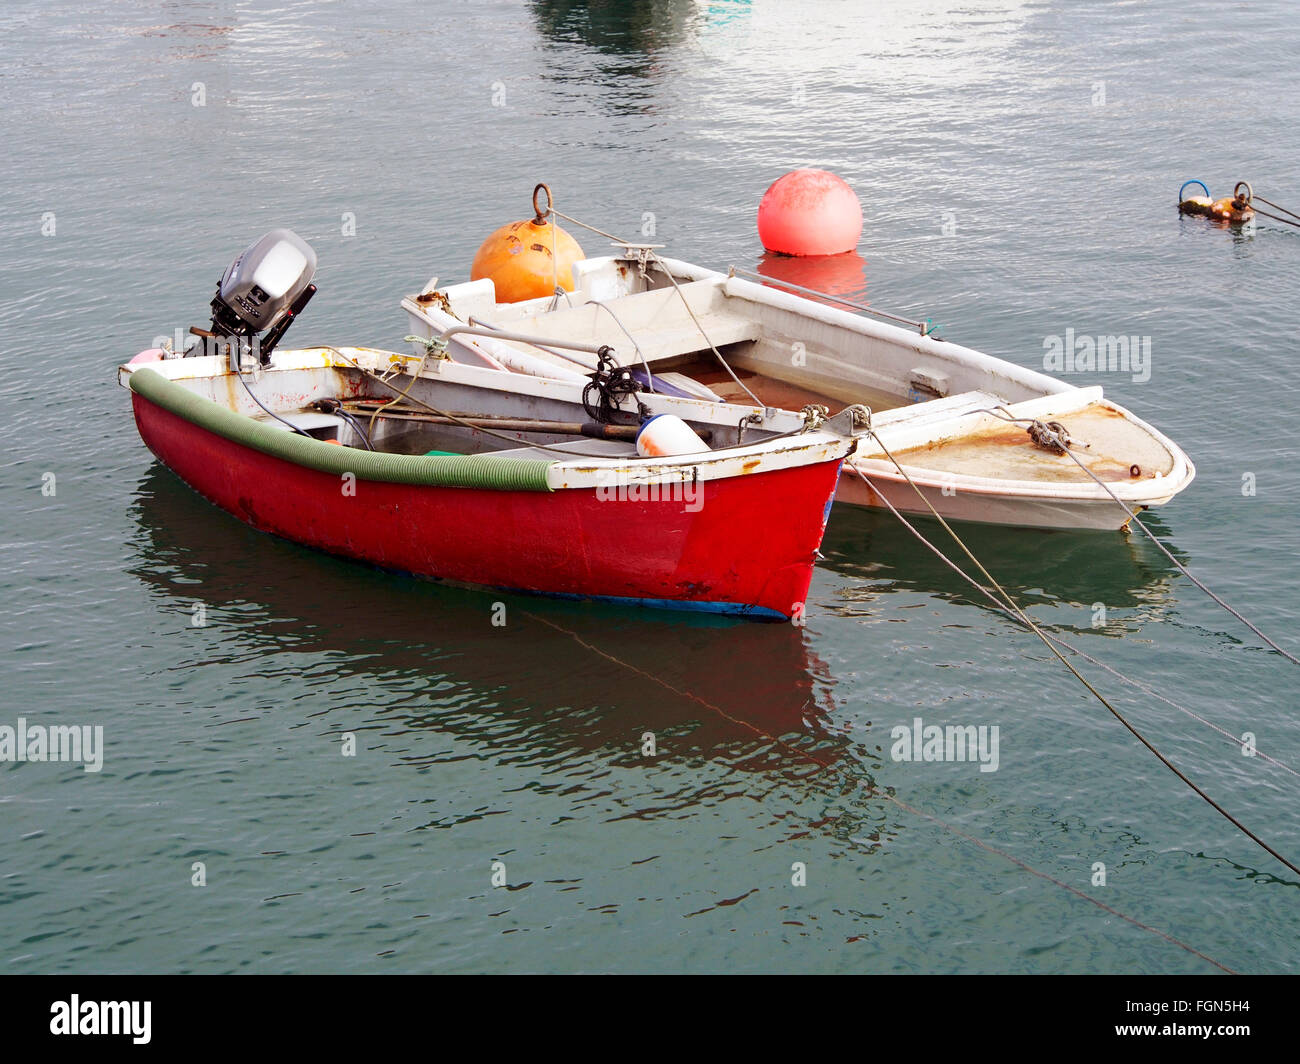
(262, 291)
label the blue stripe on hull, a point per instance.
(730, 609)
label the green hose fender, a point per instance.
(462, 471)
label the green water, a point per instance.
(1018, 164)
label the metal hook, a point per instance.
(542, 216)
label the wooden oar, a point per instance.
(591, 429)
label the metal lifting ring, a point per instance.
(1236, 190)
(542, 216)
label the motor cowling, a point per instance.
(262, 283)
(259, 295)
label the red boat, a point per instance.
(470, 475)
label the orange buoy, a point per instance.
(1233, 209)
(527, 259)
(810, 212)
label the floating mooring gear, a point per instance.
(1235, 209)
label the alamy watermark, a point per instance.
(1098, 354)
(952, 742)
(77, 1017)
(688, 493)
(58, 742)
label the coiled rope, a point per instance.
(603, 395)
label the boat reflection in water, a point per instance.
(618, 26)
(636, 32)
(557, 674)
(1039, 567)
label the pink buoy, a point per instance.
(810, 212)
(153, 354)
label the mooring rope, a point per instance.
(716, 353)
(1063, 442)
(1275, 217)
(1277, 206)
(1032, 625)
(874, 792)
(1054, 635)
(650, 377)
(431, 345)
(685, 302)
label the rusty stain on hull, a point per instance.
(1105, 441)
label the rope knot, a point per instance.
(434, 346)
(1050, 436)
(814, 416)
(860, 414)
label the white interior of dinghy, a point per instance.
(940, 408)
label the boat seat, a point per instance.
(938, 409)
(659, 320)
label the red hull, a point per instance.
(749, 548)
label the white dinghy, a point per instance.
(978, 436)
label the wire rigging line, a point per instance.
(288, 424)
(1032, 625)
(1133, 517)
(1000, 608)
(685, 302)
(875, 792)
